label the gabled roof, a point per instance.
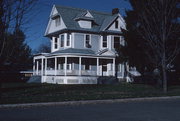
(71, 15)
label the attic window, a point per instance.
(57, 21)
(116, 24)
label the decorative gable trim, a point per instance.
(88, 14)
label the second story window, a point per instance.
(68, 40)
(57, 21)
(116, 42)
(62, 41)
(87, 41)
(55, 43)
(116, 24)
(104, 42)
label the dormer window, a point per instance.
(87, 41)
(104, 42)
(57, 21)
(116, 24)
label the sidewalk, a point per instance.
(87, 102)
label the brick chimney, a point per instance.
(115, 11)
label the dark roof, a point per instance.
(73, 51)
(70, 16)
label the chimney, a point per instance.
(115, 11)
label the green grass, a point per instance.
(30, 93)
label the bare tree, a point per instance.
(13, 16)
(159, 27)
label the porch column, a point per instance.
(34, 66)
(79, 65)
(113, 66)
(37, 67)
(45, 66)
(97, 66)
(65, 69)
(42, 66)
(55, 68)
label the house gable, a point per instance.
(52, 27)
(116, 24)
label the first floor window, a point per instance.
(87, 66)
(68, 66)
(87, 41)
(104, 41)
(62, 40)
(55, 43)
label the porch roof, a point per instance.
(73, 51)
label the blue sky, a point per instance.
(39, 15)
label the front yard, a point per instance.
(31, 93)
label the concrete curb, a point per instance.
(86, 102)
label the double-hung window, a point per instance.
(62, 40)
(116, 42)
(55, 43)
(68, 42)
(87, 41)
(104, 42)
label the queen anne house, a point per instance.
(83, 46)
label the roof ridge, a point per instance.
(83, 9)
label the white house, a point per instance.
(83, 46)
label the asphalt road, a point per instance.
(156, 110)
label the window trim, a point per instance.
(89, 41)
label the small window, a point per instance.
(116, 24)
(68, 40)
(116, 42)
(62, 40)
(87, 41)
(61, 66)
(104, 41)
(55, 43)
(57, 21)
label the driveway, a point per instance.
(156, 110)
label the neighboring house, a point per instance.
(83, 46)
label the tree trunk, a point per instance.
(164, 76)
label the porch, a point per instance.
(74, 66)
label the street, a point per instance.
(153, 110)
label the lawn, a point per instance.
(31, 93)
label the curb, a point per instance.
(86, 102)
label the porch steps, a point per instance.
(35, 79)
